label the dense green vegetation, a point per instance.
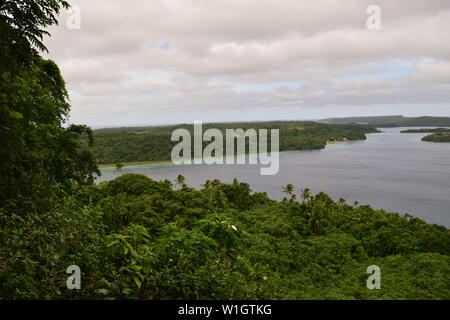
(136, 238)
(429, 130)
(37, 151)
(395, 121)
(154, 144)
(437, 137)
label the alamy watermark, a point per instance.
(234, 145)
(374, 281)
(374, 20)
(74, 280)
(73, 21)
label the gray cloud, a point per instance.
(177, 61)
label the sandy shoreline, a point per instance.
(136, 164)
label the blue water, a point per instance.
(392, 171)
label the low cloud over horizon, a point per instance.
(173, 61)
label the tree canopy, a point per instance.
(39, 149)
(137, 238)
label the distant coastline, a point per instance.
(427, 130)
(169, 163)
(393, 121)
(153, 145)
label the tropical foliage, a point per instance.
(136, 238)
(154, 143)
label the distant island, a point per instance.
(393, 121)
(437, 137)
(143, 144)
(427, 130)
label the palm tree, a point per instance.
(306, 195)
(215, 185)
(316, 216)
(289, 191)
(215, 194)
(180, 181)
(119, 166)
(341, 203)
(207, 184)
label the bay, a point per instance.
(390, 170)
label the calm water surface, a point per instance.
(392, 171)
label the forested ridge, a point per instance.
(394, 121)
(154, 143)
(427, 130)
(136, 238)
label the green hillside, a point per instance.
(365, 120)
(394, 121)
(154, 143)
(428, 130)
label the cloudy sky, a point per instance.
(171, 61)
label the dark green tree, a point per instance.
(180, 181)
(289, 191)
(40, 151)
(306, 195)
(119, 166)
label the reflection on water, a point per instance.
(391, 171)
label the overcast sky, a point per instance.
(176, 61)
